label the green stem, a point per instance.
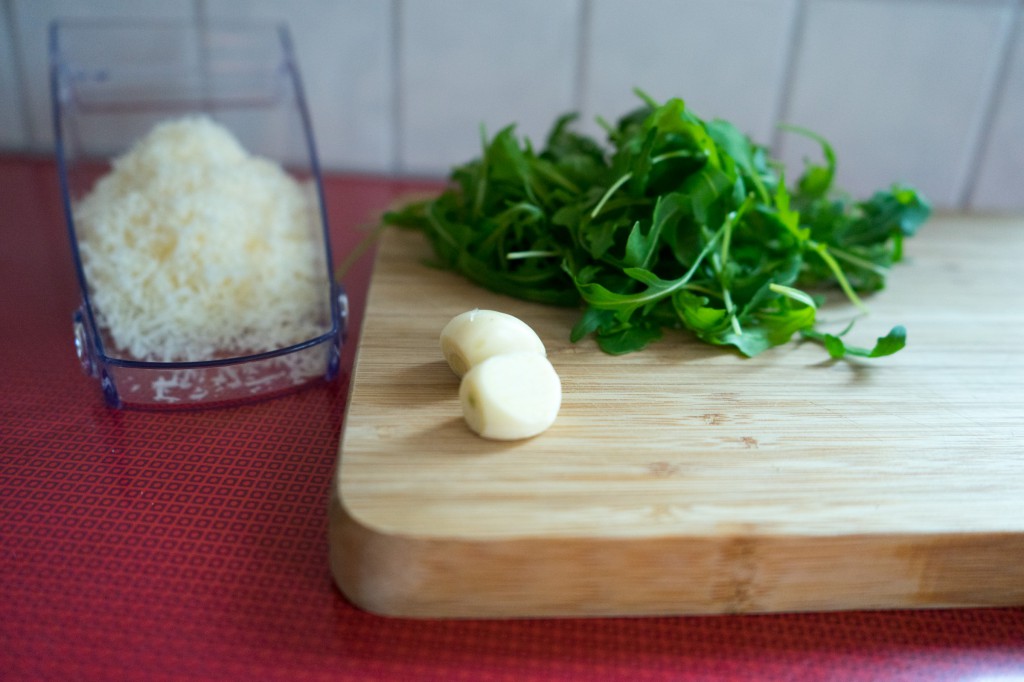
(730, 309)
(556, 177)
(731, 220)
(844, 284)
(858, 261)
(794, 294)
(519, 255)
(608, 195)
(439, 228)
(648, 296)
(677, 154)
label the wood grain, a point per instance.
(686, 478)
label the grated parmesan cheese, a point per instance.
(193, 249)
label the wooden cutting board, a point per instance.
(686, 479)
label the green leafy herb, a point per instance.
(676, 223)
(892, 342)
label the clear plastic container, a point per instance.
(113, 82)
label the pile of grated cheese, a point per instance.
(194, 249)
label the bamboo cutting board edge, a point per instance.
(390, 528)
(419, 577)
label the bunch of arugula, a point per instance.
(681, 223)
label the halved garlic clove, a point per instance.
(511, 396)
(473, 336)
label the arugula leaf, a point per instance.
(672, 222)
(891, 343)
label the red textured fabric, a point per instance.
(192, 545)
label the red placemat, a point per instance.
(192, 545)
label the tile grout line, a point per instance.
(397, 98)
(582, 55)
(980, 135)
(783, 98)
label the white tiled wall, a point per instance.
(998, 183)
(29, 21)
(346, 53)
(725, 59)
(900, 87)
(930, 92)
(466, 62)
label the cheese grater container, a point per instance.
(198, 287)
